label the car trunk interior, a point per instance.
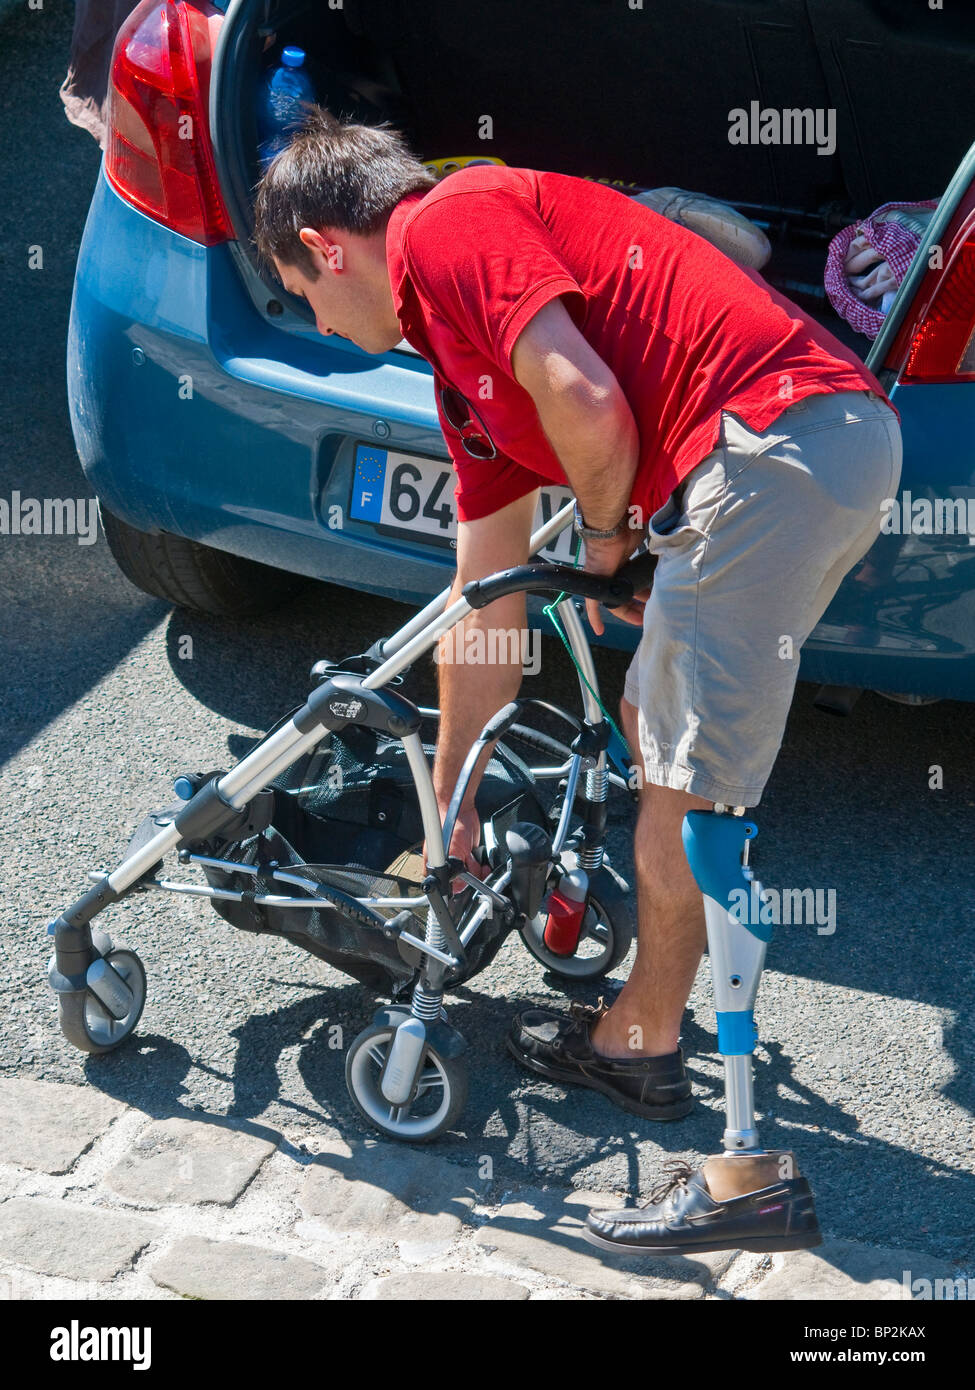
(642, 96)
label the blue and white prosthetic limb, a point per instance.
(716, 844)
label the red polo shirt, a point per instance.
(684, 330)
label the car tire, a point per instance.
(195, 576)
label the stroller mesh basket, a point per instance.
(346, 818)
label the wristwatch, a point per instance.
(589, 533)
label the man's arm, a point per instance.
(591, 428)
(472, 690)
(589, 424)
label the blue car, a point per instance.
(236, 452)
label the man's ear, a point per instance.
(318, 241)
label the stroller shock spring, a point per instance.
(596, 791)
(426, 1003)
(597, 783)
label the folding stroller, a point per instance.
(316, 835)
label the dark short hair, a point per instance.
(349, 177)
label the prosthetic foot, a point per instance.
(745, 1198)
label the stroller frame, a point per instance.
(409, 1051)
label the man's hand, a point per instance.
(605, 558)
(467, 832)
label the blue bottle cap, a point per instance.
(292, 57)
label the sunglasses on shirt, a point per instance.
(461, 416)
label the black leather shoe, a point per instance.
(682, 1218)
(559, 1047)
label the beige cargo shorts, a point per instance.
(751, 548)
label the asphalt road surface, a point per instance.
(865, 1067)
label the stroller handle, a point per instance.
(613, 591)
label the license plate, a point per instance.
(415, 496)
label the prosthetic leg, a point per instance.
(716, 844)
(746, 1198)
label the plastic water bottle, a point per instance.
(280, 111)
(566, 911)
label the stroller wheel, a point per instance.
(438, 1099)
(607, 933)
(89, 1024)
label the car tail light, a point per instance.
(937, 340)
(159, 155)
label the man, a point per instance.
(577, 336)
